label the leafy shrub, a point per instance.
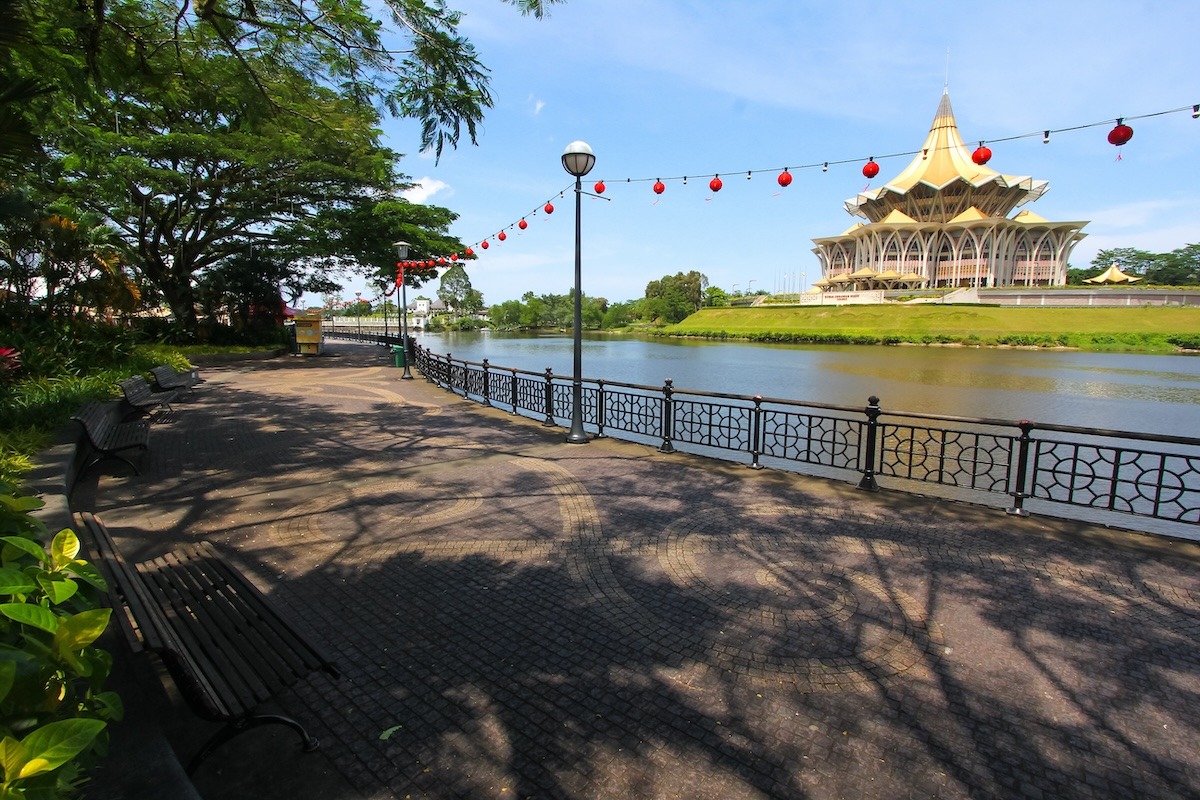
(1187, 341)
(53, 707)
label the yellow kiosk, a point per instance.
(308, 335)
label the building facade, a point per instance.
(945, 222)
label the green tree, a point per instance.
(715, 297)
(506, 314)
(1129, 259)
(673, 298)
(1180, 267)
(406, 56)
(532, 311)
(457, 293)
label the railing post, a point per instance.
(429, 365)
(1019, 494)
(756, 432)
(449, 377)
(600, 409)
(487, 395)
(513, 389)
(868, 473)
(549, 420)
(668, 418)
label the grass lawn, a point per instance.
(1141, 328)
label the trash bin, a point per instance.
(398, 352)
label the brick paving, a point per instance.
(517, 617)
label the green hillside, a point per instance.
(1144, 328)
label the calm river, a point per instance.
(1127, 392)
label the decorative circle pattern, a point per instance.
(377, 513)
(755, 595)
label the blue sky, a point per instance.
(667, 88)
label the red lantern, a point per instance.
(1121, 134)
(659, 188)
(522, 224)
(715, 184)
(484, 244)
(548, 208)
(870, 169)
(982, 154)
(454, 256)
(441, 261)
(502, 236)
(599, 187)
(785, 179)
(430, 263)
(469, 252)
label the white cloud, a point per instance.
(424, 189)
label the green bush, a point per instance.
(54, 710)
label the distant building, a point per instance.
(944, 222)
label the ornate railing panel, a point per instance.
(1118, 477)
(632, 412)
(791, 434)
(963, 458)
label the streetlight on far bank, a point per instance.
(401, 254)
(578, 160)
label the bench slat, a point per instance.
(237, 689)
(278, 648)
(226, 646)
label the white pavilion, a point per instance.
(945, 222)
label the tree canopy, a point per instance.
(1180, 267)
(214, 152)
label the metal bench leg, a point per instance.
(240, 726)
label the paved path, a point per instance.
(517, 617)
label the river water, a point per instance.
(1113, 391)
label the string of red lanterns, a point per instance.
(1120, 134)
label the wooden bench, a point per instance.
(227, 647)
(108, 433)
(167, 378)
(140, 397)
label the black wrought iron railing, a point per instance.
(1103, 476)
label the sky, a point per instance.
(673, 88)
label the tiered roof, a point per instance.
(943, 184)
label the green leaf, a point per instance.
(65, 547)
(112, 703)
(12, 757)
(14, 581)
(28, 546)
(58, 590)
(22, 504)
(53, 745)
(78, 631)
(87, 573)
(29, 614)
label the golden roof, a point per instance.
(1112, 275)
(972, 214)
(897, 216)
(942, 161)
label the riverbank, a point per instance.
(1137, 329)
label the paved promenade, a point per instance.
(516, 617)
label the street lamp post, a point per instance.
(578, 160)
(401, 254)
(383, 294)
